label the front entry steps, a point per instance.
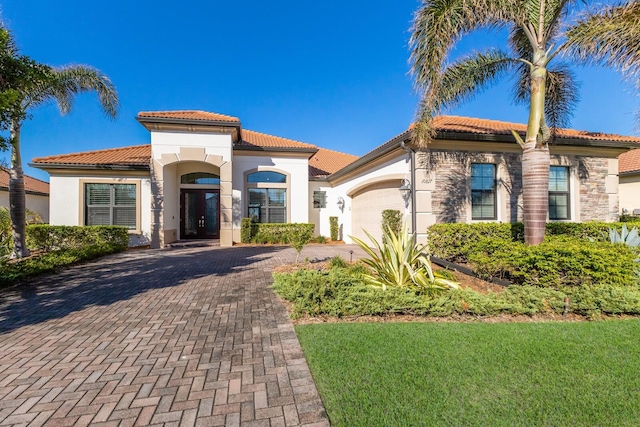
(194, 243)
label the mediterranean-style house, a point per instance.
(630, 182)
(37, 194)
(203, 172)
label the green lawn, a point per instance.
(479, 374)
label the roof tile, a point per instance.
(188, 115)
(138, 155)
(325, 162)
(30, 184)
(485, 126)
(629, 161)
(256, 139)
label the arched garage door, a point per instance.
(367, 206)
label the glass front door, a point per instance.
(199, 214)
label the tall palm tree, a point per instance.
(541, 34)
(35, 84)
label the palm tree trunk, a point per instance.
(17, 204)
(535, 165)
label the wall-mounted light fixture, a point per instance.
(405, 190)
(341, 204)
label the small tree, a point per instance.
(300, 239)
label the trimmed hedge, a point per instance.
(341, 292)
(54, 237)
(391, 218)
(261, 233)
(333, 228)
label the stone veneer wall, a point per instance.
(443, 177)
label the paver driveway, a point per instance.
(189, 336)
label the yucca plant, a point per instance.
(401, 262)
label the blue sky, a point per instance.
(330, 73)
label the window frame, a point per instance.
(322, 199)
(268, 185)
(83, 207)
(493, 191)
(566, 193)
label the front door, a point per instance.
(199, 214)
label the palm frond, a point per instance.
(608, 36)
(75, 79)
(562, 96)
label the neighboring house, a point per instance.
(37, 194)
(629, 169)
(203, 173)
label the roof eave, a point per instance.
(45, 166)
(372, 155)
(580, 142)
(227, 123)
(633, 172)
(276, 149)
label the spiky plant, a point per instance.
(401, 262)
(541, 34)
(26, 85)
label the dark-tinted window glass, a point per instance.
(267, 176)
(267, 205)
(200, 178)
(483, 191)
(559, 193)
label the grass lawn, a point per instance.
(478, 374)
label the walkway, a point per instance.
(189, 336)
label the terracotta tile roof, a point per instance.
(188, 115)
(30, 184)
(485, 126)
(138, 155)
(256, 139)
(325, 162)
(629, 162)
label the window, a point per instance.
(483, 191)
(267, 196)
(267, 176)
(268, 205)
(319, 199)
(111, 204)
(200, 178)
(559, 193)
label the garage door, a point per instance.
(368, 204)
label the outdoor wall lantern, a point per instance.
(341, 204)
(405, 190)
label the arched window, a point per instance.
(267, 176)
(200, 178)
(267, 196)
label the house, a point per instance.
(629, 163)
(37, 194)
(203, 172)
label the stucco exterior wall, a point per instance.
(67, 206)
(395, 168)
(630, 192)
(35, 203)
(169, 142)
(297, 171)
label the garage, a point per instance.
(368, 204)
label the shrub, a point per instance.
(6, 242)
(15, 271)
(333, 227)
(391, 218)
(300, 239)
(247, 230)
(337, 262)
(629, 218)
(401, 262)
(279, 233)
(319, 239)
(54, 237)
(556, 263)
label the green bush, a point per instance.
(629, 218)
(248, 230)
(6, 242)
(279, 233)
(555, 263)
(15, 271)
(319, 239)
(342, 292)
(53, 237)
(391, 218)
(333, 228)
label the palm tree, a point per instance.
(540, 31)
(32, 85)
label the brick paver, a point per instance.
(190, 336)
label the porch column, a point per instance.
(226, 204)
